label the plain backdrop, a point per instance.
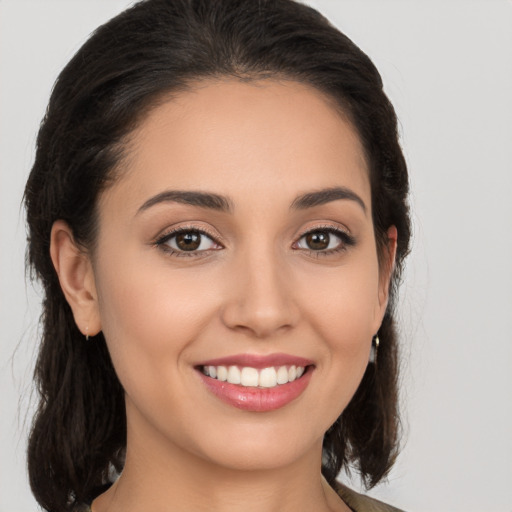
(447, 66)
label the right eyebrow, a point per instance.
(195, 198)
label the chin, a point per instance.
(260, 456)
(261, 446)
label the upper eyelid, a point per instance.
(347, 239)
(332, 227)
(169, 233)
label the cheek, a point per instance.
(342, 306)
(149, 315)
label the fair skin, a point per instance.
(254, 284)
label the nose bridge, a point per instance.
(260, 300)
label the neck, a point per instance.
(162, 477)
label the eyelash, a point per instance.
(346, 241)
(161, 242)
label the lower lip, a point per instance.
(258, 399)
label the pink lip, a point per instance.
(258, 361)
(252, 398)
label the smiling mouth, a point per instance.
(263, 378)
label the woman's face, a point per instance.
(238, 241)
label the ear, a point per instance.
(76, 277)
(387, 266)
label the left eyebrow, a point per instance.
(324, 196)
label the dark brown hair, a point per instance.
(130, 63)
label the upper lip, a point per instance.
(258, 361)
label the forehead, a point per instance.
(229, 136)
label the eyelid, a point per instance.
(163, 237)
(347, 239)
(335, 228)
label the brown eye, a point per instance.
(325, 240)
(188, 241)
(318, 240)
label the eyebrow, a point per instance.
(221, 203)
(194, 198)
(324, 196)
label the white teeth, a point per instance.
(268, 378)
(282, 375)
(234, 376)
(252, 377)
(249, 377)
(222, 373)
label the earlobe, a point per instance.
(76, 277)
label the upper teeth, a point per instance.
(247, 376)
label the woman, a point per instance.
(218, 214)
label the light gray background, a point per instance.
(447, 66)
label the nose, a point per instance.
(260, 298)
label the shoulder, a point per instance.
(361, 503)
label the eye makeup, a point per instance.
(193, 241)
(188, 241)
(318, 241)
